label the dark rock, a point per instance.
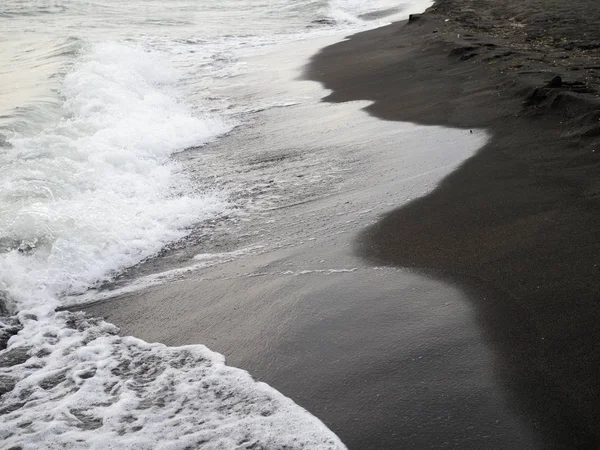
(460, 51)
(555, 83)
(412, 18)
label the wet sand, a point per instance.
(490, 342)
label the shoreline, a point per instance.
(520, 216)
(385, 357)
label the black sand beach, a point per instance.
(491, 340)
(521, 217)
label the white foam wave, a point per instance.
(97, 192)
(87, 388)
(355, 11)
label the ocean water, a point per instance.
(97, 99)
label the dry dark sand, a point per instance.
(522, 216)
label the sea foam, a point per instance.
(355, 11)
(85, 387)
(97, 192)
